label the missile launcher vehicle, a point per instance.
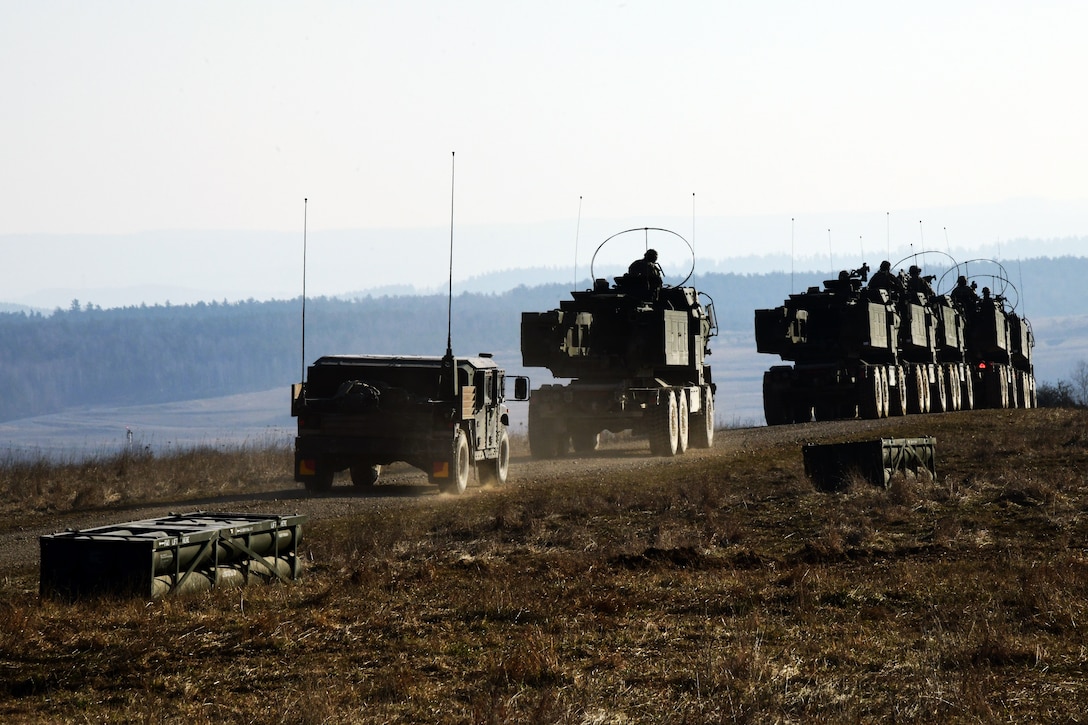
(891, 347)
(635, 356)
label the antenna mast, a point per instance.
(577, 231)
(304, 206)
(693, 230)
(793, 225)
(449, 298)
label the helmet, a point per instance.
(651, 254)
(915, 269)
(885, 266)
(962, 280)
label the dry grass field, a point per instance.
(703, 589)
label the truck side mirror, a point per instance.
(521, 388)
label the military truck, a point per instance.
(446, 416)
(636, 359)
(860, 351)
(844, 346)
(999, 340)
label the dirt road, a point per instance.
(402, 486)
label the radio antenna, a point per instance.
(577, 230)
(449, 298)
(304, 205)
(888, 216)
(693, 229)
(793, 226)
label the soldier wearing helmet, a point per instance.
(917, 284)
(885, 280)
(645, 274)
(964, 294)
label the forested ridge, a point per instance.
(85, 355)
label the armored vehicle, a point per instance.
(998, 339)
(635, 355)
(890, 348)
(446, 416)
(843, 341)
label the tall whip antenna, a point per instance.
(793, 224)
(577, 231)
(889, 216)
(449, 298)
(830, 251)
(304, 206)
(693, 230)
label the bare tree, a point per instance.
(1080, 383)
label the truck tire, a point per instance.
(952, 388)
(460, 466)
(546, 440)
(967, 392)
(585, 440)
(495, 471)
(664, 429)
(322, 480)
(872, 393)
(702, 425)
(937, 396)
(682, 422)
(897, 393)
(775, 409)
(365, 475)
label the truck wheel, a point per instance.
(938, 395)
(365, 475)
(665, 428)
(897, 393)
(682, 422)
(459, 466)
(585, 440)
(872, 393)
(967, 392)
(917, 389)
(322, 480)
(546, 438)
(774, 402)
(702, 425)
(952, 387)
(495, 471)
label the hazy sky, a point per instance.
(126, 117)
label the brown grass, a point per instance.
(730, 591)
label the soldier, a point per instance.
(917, 283)
(645, 274)
(964, 295)
(885, 280)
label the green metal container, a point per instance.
(831, 466)
(172, 554)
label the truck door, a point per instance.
(487, 417)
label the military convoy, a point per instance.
(446, 416)
(635, 352)
(893, 348)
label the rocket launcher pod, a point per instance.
(173, 554)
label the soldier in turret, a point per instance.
(916, 283)
(885, 280)
(964, 294)
(646, 274)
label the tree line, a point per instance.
(85, 355)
